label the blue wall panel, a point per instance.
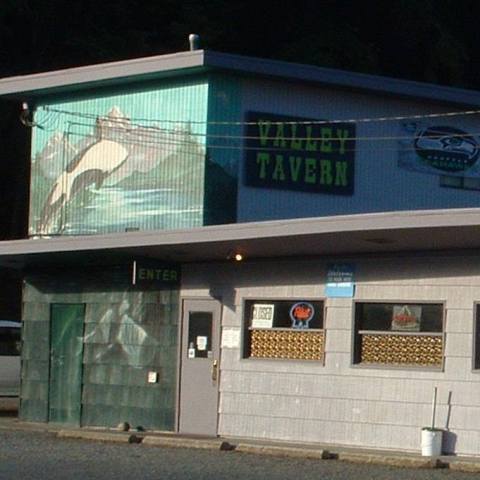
(224, 148)
(380, 184)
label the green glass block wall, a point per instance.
(131, 160)
(127, 334)
(35, 357)
(125, 338)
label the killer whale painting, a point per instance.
(119, 163)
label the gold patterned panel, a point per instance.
(289, 344)
(402, 349)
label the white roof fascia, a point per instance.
(124, 71)
(93, 74)
(10, 324)
(278, 229)
(330, 76)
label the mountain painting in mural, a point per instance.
(120, 176)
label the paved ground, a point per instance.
(28, 455)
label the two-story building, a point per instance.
(240, 247)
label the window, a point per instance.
(476, 358)
(408, 334)
(287, 329)
(9, 341)
(200, 334)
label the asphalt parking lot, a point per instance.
(35, 455)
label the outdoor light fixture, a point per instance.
(26, 117)
(235, 255)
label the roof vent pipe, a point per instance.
(194, 40)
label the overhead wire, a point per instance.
(150, 130)
(277, 122)
(240, 147)
(215, 141)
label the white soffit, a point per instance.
(336, 235)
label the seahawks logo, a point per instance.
(447, 149)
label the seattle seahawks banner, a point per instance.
(439, 149)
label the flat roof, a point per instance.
(27, 87)
(374, 233)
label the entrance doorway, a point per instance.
(200, 367)
(66, 352)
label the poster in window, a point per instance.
(262, 315)
(301, 313)
(406, 318)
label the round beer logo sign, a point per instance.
(301, 313)
(447, 149)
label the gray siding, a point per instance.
(381, 407)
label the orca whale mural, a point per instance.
(115, 174)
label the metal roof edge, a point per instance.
(344, 78)
(123, 71)
(277, 229)
(93, 74)
(10, 323)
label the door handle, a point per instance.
(214, 371)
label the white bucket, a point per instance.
(431, 443)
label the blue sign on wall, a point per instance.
(340, 281)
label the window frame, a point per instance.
(245, 342)
(355, 335)
(476, 318)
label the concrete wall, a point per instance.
(341, 403)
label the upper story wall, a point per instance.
(120, 160)
(206, 150)
(385, 171)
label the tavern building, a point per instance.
(358, 288)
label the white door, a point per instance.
(200, 367)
